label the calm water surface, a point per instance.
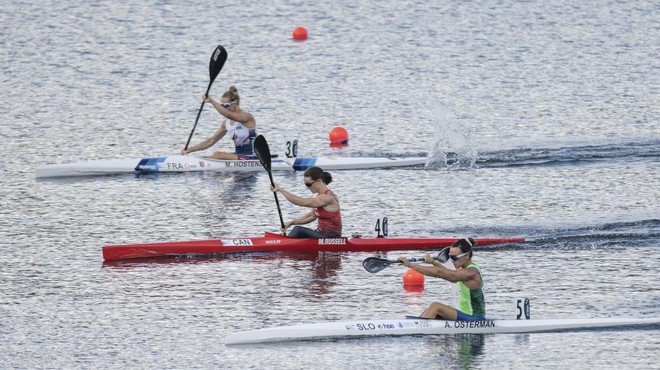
(541, 120)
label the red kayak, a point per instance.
(277, 243)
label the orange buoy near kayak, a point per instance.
(412, 277)
(338, 136)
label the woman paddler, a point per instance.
(467, 275)
(239, 124)
(325, 207)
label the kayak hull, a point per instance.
(196, 163)
(399, 327)
(277, 243)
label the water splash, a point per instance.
(453, 145)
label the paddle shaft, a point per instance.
(375, 264)
(277, 201)
(442, 257)
(387, 263)
(199, 113)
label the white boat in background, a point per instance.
(197, 163)
(417, 326)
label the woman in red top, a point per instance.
(325, 207)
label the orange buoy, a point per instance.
(413, 290)
(412, 277)
(338, 135)
(300, 33)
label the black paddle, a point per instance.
(218, 59)
(375, 264)
(262, 151)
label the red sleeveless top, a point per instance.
(329, 222)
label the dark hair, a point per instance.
(232, 94)
(465, 245)
(316, 173)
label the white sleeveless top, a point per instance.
(243, 138)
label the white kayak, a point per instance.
(197, 163)
(416, 326)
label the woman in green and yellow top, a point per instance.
(467, 275)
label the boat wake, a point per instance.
(633, 151)
(642, 233)
(466, 156)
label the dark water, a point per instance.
(541, 120)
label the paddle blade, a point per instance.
(218, 59)
(263, 152)
(443, 256)
(375, 264)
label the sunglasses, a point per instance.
(226, 105)
(309, 184)
(456, 258)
